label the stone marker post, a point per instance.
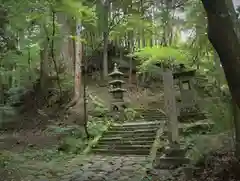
(174, 155)
(170, 107)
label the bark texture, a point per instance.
(224, 34)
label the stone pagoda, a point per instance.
(118, 103)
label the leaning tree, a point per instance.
(224, 34)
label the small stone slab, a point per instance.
(174, 152)
(171, 162)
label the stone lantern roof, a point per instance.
(186, 73)
(183, 72)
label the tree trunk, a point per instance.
(142, 30)
(78, 62)
(65, 31)
(44, 69)
(236, 120)
(223, 33)
(130, 49)
(105, 39)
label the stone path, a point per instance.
(109, 168)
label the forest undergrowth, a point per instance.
(49, 143)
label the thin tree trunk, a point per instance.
(130, 49)
(105, 40)
(142, 30)
(44, 73)
(236, 120)
(78, 62)
(53, 53)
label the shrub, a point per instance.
(130, 114)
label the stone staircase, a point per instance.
(132, 138)
(150, 115)
(128, 139)
(137, 138)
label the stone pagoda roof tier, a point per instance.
(116, 81)
(115, 71)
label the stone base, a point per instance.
(118, 106)
(118, 116)
(171, 162)
(174, 152)
(173, 157)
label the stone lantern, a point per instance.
(188, 98)
(116, 90)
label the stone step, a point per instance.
(129, 134)
(151, 112)
(123, 131)
(137, 124)
(158, 117)
(152, 115)
(145, 110)
(126, 142)
(150, 119)
(115, 138)
(134, 127)
(121, 152)
(123, 147)
(154, 119)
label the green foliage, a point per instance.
(161, 54)
(72, 145)
(43, 155)
(221, 113)
(130, 114)
(15, 94)
(200, 145)
(5, 159)
(96, 126)
(151, 57)
(70, 130)
(99, 109)
(73, 138)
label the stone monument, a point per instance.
(170, 106)
(174, 155)
(117, 103)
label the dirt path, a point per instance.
(19, 141)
